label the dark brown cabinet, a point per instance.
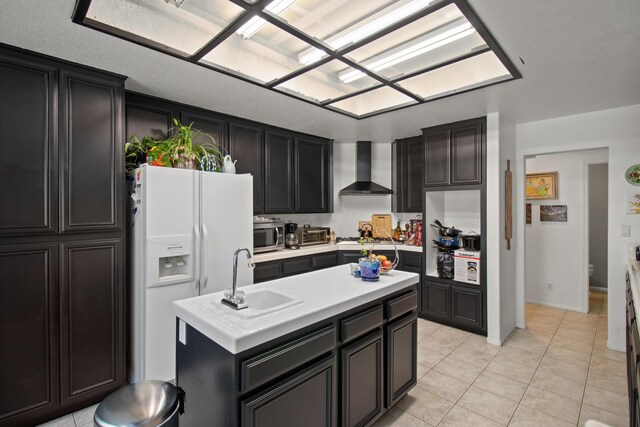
(312, 175)
(402, 344)
(29, 161)
(91, 134)
(456, 305)
(436, 300)
(362, 374)
(307, 397)
(62, 293)
(466, 307)
(92, 305)
(278, 174)
(453, 153)
(407, 173)
(246, 145)
(214, 126)
(29, 329)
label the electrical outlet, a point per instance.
(625, 231)
(550, 286)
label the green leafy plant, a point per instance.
(177, 150)
(367, 244)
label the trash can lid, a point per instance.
(144, 404)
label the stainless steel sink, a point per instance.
(264, 301)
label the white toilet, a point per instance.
(591, 269)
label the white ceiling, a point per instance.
(580, 56)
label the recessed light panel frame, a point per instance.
(369, 62)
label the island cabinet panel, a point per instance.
(402, 343)
(246, 145)
(312, 158)
(278, 173)
(91, 150)
(29, 161)
(29, 332)
(308, 397)
(362, 385)
(92, 302)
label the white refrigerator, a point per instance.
(186, 226)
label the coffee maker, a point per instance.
(291, 238)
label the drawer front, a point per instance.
(296, 266)
(265, 367)
(412, 259)
(361, 323)
(324, 260)
(267, 271)
(402, 304)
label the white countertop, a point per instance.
(325, 293)
(330, 247)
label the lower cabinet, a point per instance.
(633, 359)
(402, 344)
(362, 373)
(307, 397)
(452, 304)
(272, 270)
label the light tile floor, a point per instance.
(557, 372)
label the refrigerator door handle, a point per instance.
(196, 270)
(203, 263)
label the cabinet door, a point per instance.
(349, 257)
(91, 144)
(143, 120)
(311, 175)
(29, 364)
(92, 319)
(28, 164)
(396, 176)
(402, 353)
(308, 397)
(267, 271)
(362, 379)
(436, 156)
(212, 125)
(412, 157)
(436, 299)
(466, 153)
(466, 306)
(246, 145)
(278, 174)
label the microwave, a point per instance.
(268, 236)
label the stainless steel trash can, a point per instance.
(145, 404)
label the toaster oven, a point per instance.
(308, 235)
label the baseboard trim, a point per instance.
(552, 305)
(503, 339)
(598, 288)
(622, 349)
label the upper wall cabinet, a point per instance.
(209, 124)
(453, 153)
(246, 145)
(29, 125)
(91, 151)
(408, 155)
(278, 175)
(312, 173)
(148, 117)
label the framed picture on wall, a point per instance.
(542, 186)
(553, 213)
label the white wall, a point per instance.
(348, 210)
(501, 266)
(557, 252)
(598, 199)
(619, 130)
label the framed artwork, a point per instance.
(542, 185)
(632, 202)
(553, 213)
(528, 213)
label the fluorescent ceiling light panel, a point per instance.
(313, 55)
(412, 51)
(254, 25)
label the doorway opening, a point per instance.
(598, 194)
(558, 249)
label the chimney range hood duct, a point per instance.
(363, 184)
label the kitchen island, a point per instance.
(335, 351)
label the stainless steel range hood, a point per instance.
(363, 184)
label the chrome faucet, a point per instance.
(233, 297)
